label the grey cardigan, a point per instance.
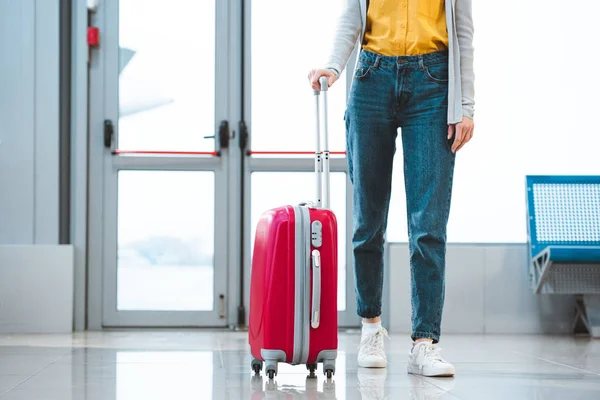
(461, 93)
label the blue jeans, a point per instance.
(410, 93)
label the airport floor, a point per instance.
(199, 365)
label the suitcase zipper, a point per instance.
(297, 286)
(302, 285)
(306, 234)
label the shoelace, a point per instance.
(372, 343)
(432, 353)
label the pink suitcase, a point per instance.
(293, 288)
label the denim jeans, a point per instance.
(410, 93)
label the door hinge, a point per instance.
(109, 133)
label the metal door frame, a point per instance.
(104, 166)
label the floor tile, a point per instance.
(8, 382)
(518, 381)
(15, 364)
(123, 365)
(64, 393)
(34, 350)
(287, 387)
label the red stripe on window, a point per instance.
(166, 153)
(252, 152)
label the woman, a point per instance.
(414, 72)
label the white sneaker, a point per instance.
(425, 359)
(370, 351)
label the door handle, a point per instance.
(222, 135)
(109, 133)
(221, 306)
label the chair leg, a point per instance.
(587, 315)
(591, 302)
(580, 326)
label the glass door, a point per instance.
(280, 113)
(181, 186)
(166, 163)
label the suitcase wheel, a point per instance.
(271, 368)
(329, 368)
(257, 366)
(312, 368)
(329, 373)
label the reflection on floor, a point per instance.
(215, 365)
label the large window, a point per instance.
(287, 42)
(166, 240)
(536, 95)
(167, 75)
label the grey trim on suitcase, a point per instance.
(273, 355)
(271, 358)
(305, 267)
(326, 355)
(302, 285)
(298, 288)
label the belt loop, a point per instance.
(377, 61)
(421, 64)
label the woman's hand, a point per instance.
(463, 132)
(315, 74)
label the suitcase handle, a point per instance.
(322, 159)
(316, 291)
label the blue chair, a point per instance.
(563, 232)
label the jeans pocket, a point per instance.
(362, 71)
(437, 73)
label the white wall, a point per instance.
(36, 274)
(36, 289)
(29, 128)
(487, 291)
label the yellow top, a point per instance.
(406, 27)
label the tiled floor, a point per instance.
(215, 365)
